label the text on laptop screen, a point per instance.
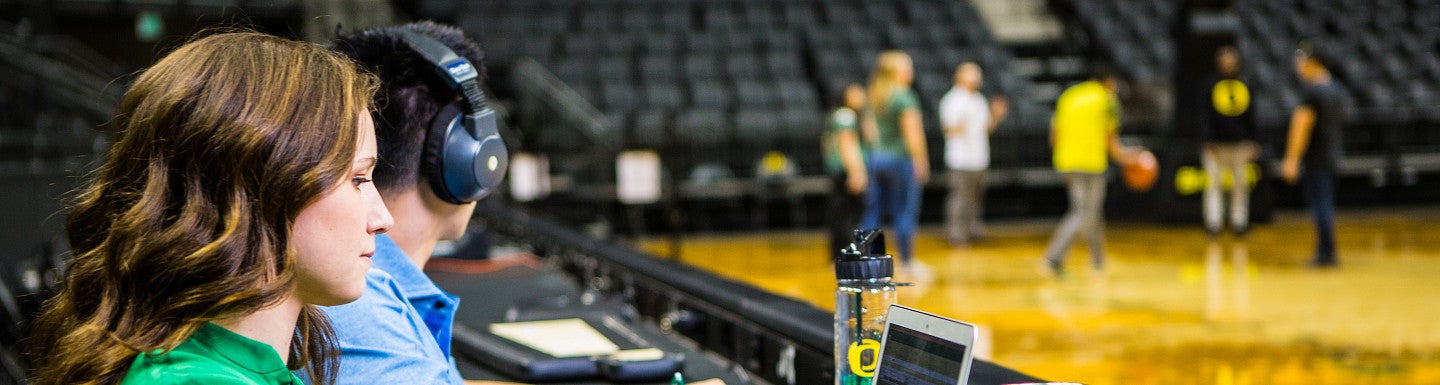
(915, 358)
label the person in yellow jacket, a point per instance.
(1084, 134)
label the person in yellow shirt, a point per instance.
(1084, 135)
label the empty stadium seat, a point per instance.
(759, 16)
(784, 65)
(703, 129)
(639, 19)
(784, 41)
(754, 93)
(649, 129)
(799, 15)
(710, 95)
(798, 94)
(658, 68)
(614, 68)
(660, 43)
(701, 68)
(619, 96)
(676, 19)
(757, 128)
(743, 66)
(664, 95)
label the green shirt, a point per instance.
(887, 123)
(843, 119)
(212, 355)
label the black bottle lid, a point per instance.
(865, 258)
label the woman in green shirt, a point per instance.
(234, 200)
(895, 154)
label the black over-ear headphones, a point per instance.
(464, 157)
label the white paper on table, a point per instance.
(529, 177)
(562, 338)
(637, 177)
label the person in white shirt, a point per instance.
(968, 120)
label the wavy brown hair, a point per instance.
(219, 146)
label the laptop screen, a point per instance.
(915, 358)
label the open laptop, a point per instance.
(920, 348)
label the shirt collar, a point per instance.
(244, 352)
(391, 259)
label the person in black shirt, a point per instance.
(1312, 152)
(1229, 136)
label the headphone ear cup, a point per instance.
(433, 159)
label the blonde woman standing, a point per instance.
(895, 154)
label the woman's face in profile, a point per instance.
(334, 237)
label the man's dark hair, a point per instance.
(411, 93)
(1100, 70)
(1313, 50)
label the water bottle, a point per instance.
(862, 297)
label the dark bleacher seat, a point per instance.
(798, 94)
(718, 17)
(826, 39)
(838, 62)
(800, 138)
(905, 37)
(739, 66)
(864, 38)
(801, 125)
(922, 13)
(942, 35)
(710, 95)
(614, 68)
(642, 19)
(616, 44)
(701, 68)
(649, 130)
(702, 129)
(800, 15)
(580, 44)
(572, 70)
(881, 13)
(757, 129)
(658, 68)
(841, 14)
(744, 40)
(536, 46)
(705, 42)
(619, 96)
(676, 19)
(926, 60)
(598, 20)
(754, 93)
(930, 92)
(664, 95)
(660, 43)
(776, 40)
(784, 65)
(760, 16)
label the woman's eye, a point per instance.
(359, 180)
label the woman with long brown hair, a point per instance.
(234, 200)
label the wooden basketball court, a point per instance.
(1171, 307)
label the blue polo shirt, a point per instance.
(398, 332)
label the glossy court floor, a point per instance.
(1171, 306)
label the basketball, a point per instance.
(1140, 176)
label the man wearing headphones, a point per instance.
(439, 153)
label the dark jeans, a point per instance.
(842, 213)
(1318, 186)
(893, 191)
